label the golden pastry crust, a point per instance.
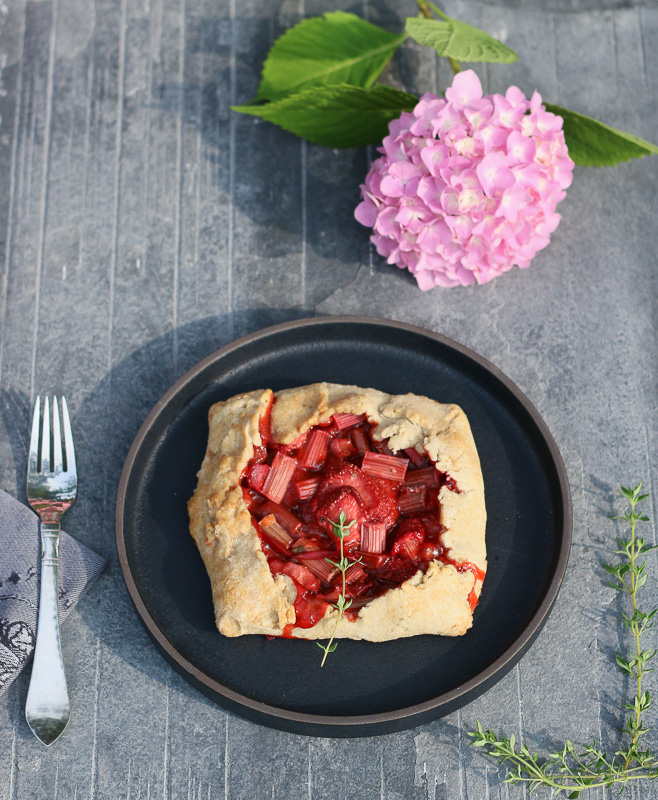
(249, 599)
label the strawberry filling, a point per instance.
(295, 492)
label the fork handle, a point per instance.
(47, 706)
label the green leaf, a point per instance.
(594, 144)
(322, 51)
(455, 39)
(337, 116)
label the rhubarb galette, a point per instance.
(282, 467)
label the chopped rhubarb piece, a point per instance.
(415, 457)
(323, 569)
(349, 475)
(283, 516)
(391, 468)
(276, 535)
(373, 537)
(306, 544)
(358, 588)
(302, 575)
(315, 450)
(412, 498)
(306, 488)
(353, 589)
(382, 447)
(279, 477)
(290, 496)
(343, 448)
(314, 555)
(344, 420)
(427, 476)
(371, 560)
(256, 476)
(360, 440)
(355, 573)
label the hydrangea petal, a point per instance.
(434, 156)
(466, 186)
(434, 235)
(366, 213)
(494, 173)
(465, 86)
(430, 191)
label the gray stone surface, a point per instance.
(142, 225)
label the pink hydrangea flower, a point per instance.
(466, 186)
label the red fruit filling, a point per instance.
(295, 492)
(373, 537)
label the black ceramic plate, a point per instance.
(364, 688)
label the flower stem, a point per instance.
(426, 8)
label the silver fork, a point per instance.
(52, 484)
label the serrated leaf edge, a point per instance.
(371, 53)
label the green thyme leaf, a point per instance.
(594, 144)
(457, 40)
(322, 51)
(581, 767)
(341, 532)
(336, 116)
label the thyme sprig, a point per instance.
(341, 531)
(576, 768)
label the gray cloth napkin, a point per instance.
(20, 550)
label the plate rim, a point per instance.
(334, 722)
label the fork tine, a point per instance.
(45, 438)
(58, 461)
(68, 441)
(34, 438)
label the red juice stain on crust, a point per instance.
(473, 597)
(308, 611)
(467, 566)
(326, 479)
